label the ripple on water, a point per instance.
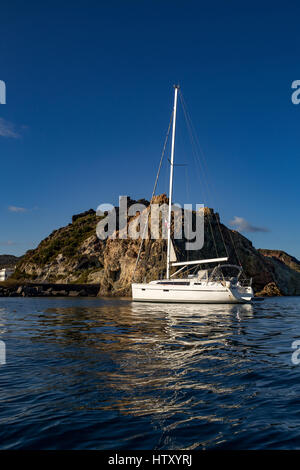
(114, 374)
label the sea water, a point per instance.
(92, 373)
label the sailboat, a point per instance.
(207, 285)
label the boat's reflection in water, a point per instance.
(193, 323)
(191, 310)
(171, 366)
(176, 362)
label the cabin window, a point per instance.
(173, 283)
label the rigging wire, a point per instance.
(153, 193)
(206, 181)
(188, 198)
(196, 157)
(195, 146)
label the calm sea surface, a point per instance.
(113, 374)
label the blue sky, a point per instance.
(89, 96)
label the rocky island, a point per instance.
(73, 261)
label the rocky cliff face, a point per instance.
(74, 254)
(285, 269)
(283, 257)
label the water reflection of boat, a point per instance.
(173, 352)
(191, 309)
(175, 363)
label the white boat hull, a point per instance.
(205, 294)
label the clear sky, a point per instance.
(89, 96)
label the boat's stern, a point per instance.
(242, 294)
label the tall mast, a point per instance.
(171, 180)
